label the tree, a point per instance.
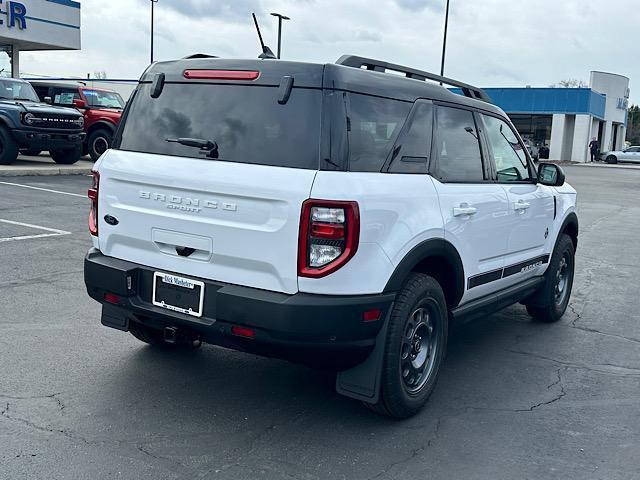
(633, 125)
(570, 83)
(101, 75)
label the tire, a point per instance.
(98, 142)
(410, 368)
(553, 298)
(66, 156)
(612, 159)
(8, 148)
(30, 151)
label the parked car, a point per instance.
(328, 214)
(102, 110)
(28, 124)
(631, 155)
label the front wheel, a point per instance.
(8, 148)
(66, 156)
(612, 159)
(414, 348)
(556, 291)
(99, 142)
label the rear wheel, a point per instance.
(8, 148)
(415, 347)
(612, 159)
(556, 291)
(66, 156)
(99, 142)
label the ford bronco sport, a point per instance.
(101, 108)
(328, 214)
(30, 125)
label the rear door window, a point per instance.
(410, 153)
(373, 124)
(246, 123)
(456, 147)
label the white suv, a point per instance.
(328, 214)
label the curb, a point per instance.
(612, 167)
(43, 171)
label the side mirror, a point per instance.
(48, 100)
(78, 103)
(550, 174)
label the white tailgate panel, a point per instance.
(242, 220)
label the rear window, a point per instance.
(246, 122)
(374, 125)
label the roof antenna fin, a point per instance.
(266, 51)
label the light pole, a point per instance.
(153, 2)
(280, 18)
(444, 40)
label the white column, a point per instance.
(581, 132)
(557, 136)
(15, 62)
(607, 137)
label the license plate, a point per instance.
(179, 294)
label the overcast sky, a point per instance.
(490, 42)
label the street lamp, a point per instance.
(280, 18)
(153, 2)
(444, 40)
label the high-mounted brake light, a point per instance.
(93, 193)
(221, 74)
(329, 234)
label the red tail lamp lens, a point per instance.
(93, 194)
(243, 332)
(220, 74)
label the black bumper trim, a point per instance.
(301, 320)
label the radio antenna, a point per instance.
(266, 51)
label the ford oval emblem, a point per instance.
(111, 220)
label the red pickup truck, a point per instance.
(101, 108)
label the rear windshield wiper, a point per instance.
(208, 147)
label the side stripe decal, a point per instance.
(494, 275)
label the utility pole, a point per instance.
(444, 40)
(153, 2)
(280, 18)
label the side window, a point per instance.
(41, 91)
(65, 96)
(508, 152)
(456, 147)
(410, 152)
(373, 124)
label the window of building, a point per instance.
(456, 147)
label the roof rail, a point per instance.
(381, 66)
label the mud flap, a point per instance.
(362, 382)
(114, 317)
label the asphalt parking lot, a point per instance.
(516, 399)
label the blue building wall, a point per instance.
(546, 101)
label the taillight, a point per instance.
(329, 233)
(221, 74)
(92, 193)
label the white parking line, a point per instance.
(43, 189)
(53, 232)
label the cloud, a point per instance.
(231, 10)
(417, 5)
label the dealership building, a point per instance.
(36, 25)
(566, 119)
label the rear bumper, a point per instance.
(48, 140)
(301, 327)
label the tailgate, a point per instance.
(230, 222)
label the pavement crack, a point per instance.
(598, 332)
(559, 395)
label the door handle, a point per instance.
(521, 205)
(463, 209)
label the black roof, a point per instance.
(329, 75)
